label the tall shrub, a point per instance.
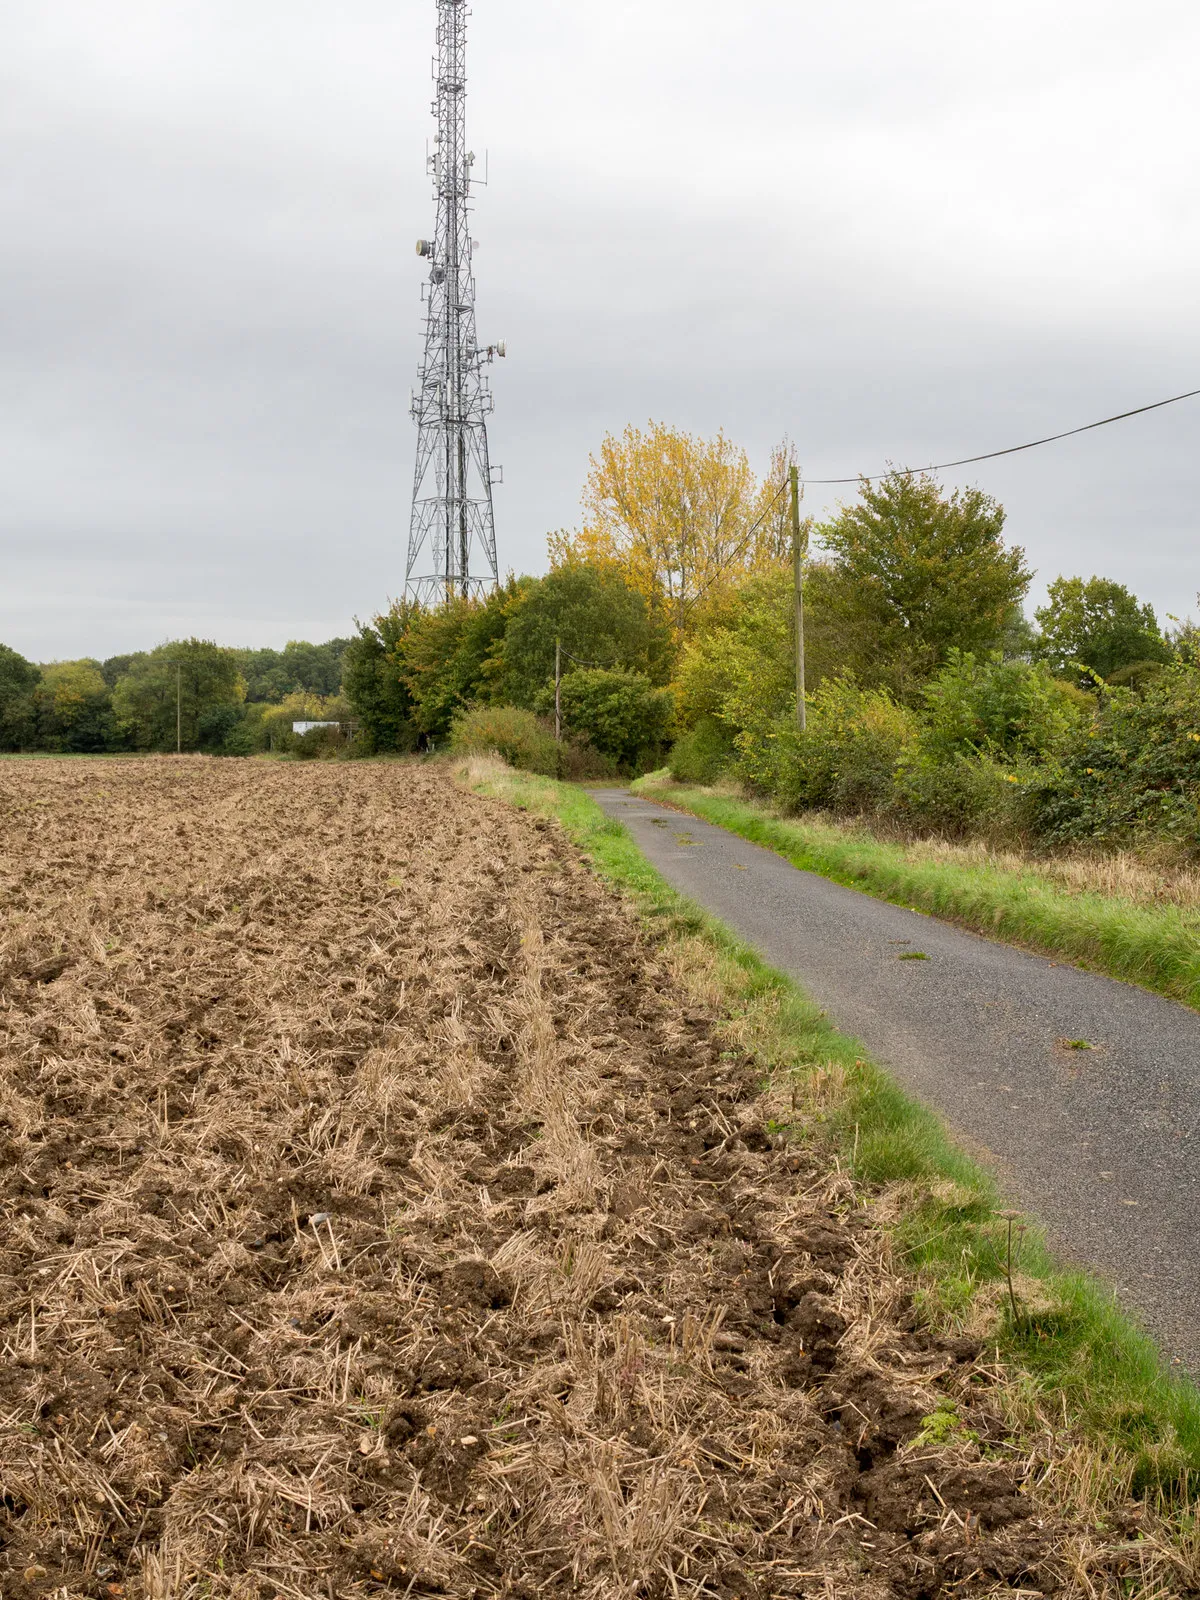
(846, 760)
(1133, 770)
(985, 704)
(621, 713)
(918, 573)
(511, 732)
(702, 754)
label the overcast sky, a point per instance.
(897, 230)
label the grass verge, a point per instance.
(1157, 946)
(1075, 1360)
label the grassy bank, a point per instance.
(1076, 1364)
(1156, 945)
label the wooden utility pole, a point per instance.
(178, 709)
(558, 691)
(798, 579)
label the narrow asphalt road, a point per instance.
(1100, 1144)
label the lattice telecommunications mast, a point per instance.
(452, 537)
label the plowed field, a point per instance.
(378, 1218)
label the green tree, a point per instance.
(1132, 770)
(601, 620)
(623, 714)
(299, 668)
(74, 707)
(266, 681)
(18, 716)
(453, 656)
(144, 700)
(117, 666)
(988, 705)
(1097, 625)
(375, 683)
(916, 573)
(743, 670)
(315, 668)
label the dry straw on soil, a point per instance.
(379, 1217)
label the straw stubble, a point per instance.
(380, 1217)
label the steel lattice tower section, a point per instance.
(452, 536)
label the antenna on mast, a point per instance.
(452, 535)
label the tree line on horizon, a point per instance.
(221, 700)
(670, 613)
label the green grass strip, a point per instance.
(1155, 946)
(1071, 1346)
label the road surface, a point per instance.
(1100, 1144)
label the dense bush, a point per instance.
(270, 727)
(702, 754)
(621, 713)
(580, 762)
(1132, 771)
(990, 728)
(973, 761)
(987, 705)
(321, 744)
(847, 758)
(965, 795)
(1001, 750)
(516, 735)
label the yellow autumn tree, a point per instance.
(681, 517)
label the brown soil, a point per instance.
(378, 1217)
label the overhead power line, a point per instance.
(1014, 449)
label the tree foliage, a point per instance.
(299, 668)
(741, 667)
(1097, 625)
(207, 678)
(742, 672)
(916, 573)
(117, 666)
(374, 682)
(622, 713)
(980, 704)
(1132, 771)
(599, 617)
(18, 715)
(73, 707)
(678, 516)
(451, 656)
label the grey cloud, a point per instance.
(893, 232)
